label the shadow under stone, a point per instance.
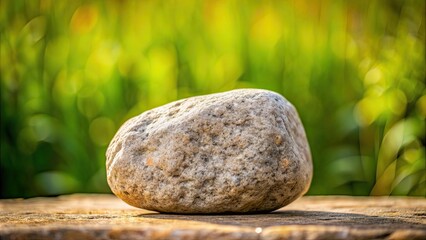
(297, 217)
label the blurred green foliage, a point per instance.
(73, 71)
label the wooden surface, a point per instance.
(106, 217)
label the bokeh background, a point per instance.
(73, 71)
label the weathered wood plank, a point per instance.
(106, 217)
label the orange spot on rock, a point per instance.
(149, 161)
(278, 140)
(285, 162)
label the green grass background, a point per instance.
(73, 71)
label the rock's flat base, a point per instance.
(106, 217)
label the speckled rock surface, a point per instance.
(238, 151)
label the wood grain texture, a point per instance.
(92, 216)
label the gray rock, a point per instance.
(238, 151)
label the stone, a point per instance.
(234, 152)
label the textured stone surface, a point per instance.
(106, 217)
(238, 151)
